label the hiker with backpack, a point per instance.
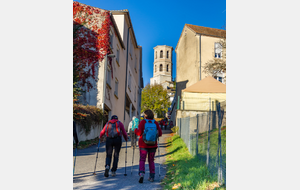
(149, 131)
(161, 124)
(166, 124)
(134, 124)
(171, 124)
(113, 129)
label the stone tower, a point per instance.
(162, 66)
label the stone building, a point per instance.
(162, 68)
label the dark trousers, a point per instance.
(112, 143)
(133, 138)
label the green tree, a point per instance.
(155, 98)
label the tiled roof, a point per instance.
(207, 31)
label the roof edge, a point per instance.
(117, 31)
(126, 12)
(206, 27)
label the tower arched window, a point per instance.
(155, 68)
(160, 67)
(167, 54)
(167, 68)
(161, 53)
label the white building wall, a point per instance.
(133, 56)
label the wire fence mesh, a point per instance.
(205, 137)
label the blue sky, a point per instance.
(161, 22)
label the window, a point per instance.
(108, 79)
(117, 57)
(111, 37)
(116, 87)
(131, 49)
(160, 67)
(167, 54)
(161, 53)
(168, 68)
(219, 78)
(218, 50)
(129, 81)
(135, 93)
(135, 63)
(155, 68)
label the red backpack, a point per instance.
(112, 129)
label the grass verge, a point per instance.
(185, 171)
(87, 143)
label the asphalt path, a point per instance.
(85, 164)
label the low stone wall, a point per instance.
(95, 132)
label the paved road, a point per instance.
(85, 163)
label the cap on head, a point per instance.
(114, 117)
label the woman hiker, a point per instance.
(113, 130)
(145, 148)
(133, 125)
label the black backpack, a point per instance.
(112, 129)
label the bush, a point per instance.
(175, 129)
(87, 116)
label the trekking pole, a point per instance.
(96, 157)
(158, 159)
(75, 159)
(125, 159)
(132, 159)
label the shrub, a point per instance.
(175, 129)
(87, 116)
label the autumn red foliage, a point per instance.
(91, 40)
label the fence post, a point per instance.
(180, 126)
(189, 134)
(208, 136)
(220, 118)
(197, 137)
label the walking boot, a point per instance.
(151, 177)
(106, 171)
(141, 177)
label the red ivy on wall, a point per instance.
(91, 40)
